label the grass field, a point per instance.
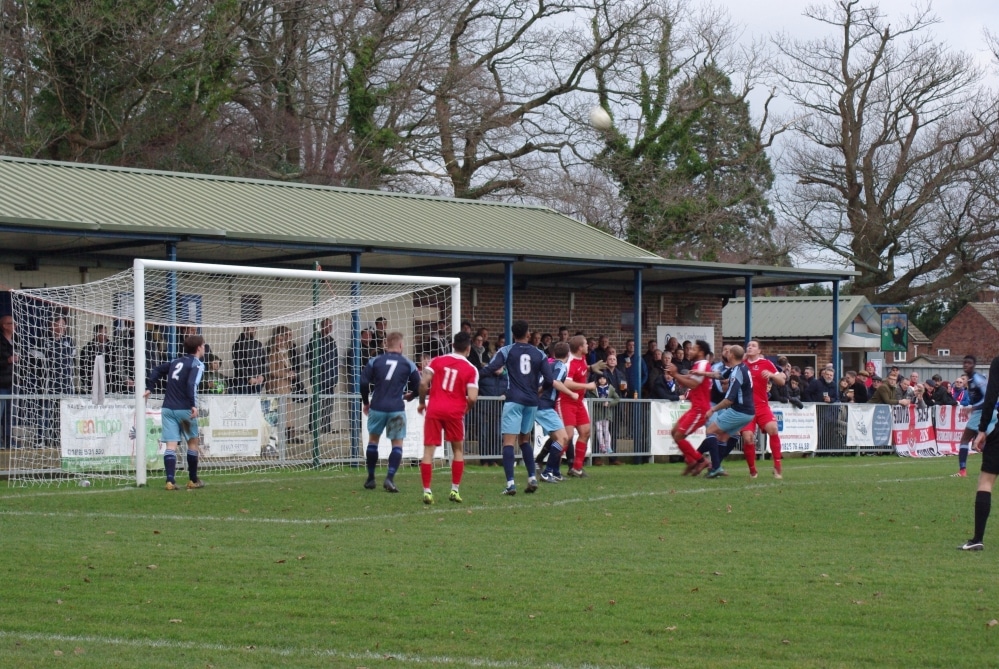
(849, 562)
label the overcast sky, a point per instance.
(961, 23)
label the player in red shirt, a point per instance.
(453, 385)
(700, 402)
(573, 412)
(762, 371)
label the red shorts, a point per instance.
(763, 416)
(691, 420)
(573, 413)
(452, 428)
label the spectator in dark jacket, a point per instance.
(858, 384)
(7, 360)
(821, 389)
(664, 387)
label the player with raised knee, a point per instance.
(736, 410)
(549, 419)
(391, 379)
(525, 365)
(762, 371)
(451, 383)
(700, 402)
(180, 408)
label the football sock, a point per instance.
(750, 452)
(983, 504)
(729, 447)
(192, 465)
(962, 457)
(528, 453)
(508, 461)
(457, 470)
(395, 458)
(710, 444)
(554, 457)
(170, 464)
(690, 454)
(545, 450)
(570, 453)
(372, 460)
(426, 474)
(580, 455)
(775, 451)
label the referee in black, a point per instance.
(986, 443)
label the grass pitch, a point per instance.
(846, 563)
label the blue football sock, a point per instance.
(962, 455)
(170, 464)
(554, 458)
(372, 459)
(192, 465)
(729, 446)
(508, 461)
(528, 453)
(395, 458)
(713, 448)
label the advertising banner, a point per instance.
(235, 426)
(662, 417)
(96, 438)
(797, 428)
(951, 421)
(868, 425)
(913, 433)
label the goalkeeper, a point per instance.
(180, 408)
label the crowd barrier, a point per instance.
(625, 430)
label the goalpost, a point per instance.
(285, 349)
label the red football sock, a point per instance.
(426, 473)
(457, 469)
(690, 453)
(580, 455)
(775, 451)
(750, 451)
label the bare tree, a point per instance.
(892, 168)
(688, 159)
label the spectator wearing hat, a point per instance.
(858, 384)
(884, 392)
(937, 393)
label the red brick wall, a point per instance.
(968, 332)
(596, 312)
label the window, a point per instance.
(943, 351)
(899, 356)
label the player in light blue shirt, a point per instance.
(976, 397)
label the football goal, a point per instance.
(284, 349)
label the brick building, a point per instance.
(974, 330)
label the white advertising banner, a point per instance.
(663, 416)
(797, 428)
(412, 445)
(951, 421)
(868, 425)
(913, 433)
(235, 426)
(96, 438)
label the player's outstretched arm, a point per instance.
(562, 388)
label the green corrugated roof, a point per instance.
(100, 198)
(789, 317)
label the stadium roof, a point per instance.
(796, 317)
(90, 214)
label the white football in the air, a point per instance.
(600, 119)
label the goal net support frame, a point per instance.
(140, 266)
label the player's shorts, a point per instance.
(178, 425)
(549, 420)
(731, 421)
(974, 418)
(453, 429)
(517, 418)
(691, 420)
(392, 423)
(990, 453)
(763, 416)
(574, 413)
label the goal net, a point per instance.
(280, 387)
